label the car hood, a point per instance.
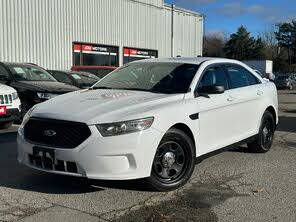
(47, 86)
(103, 106)
(6, 89)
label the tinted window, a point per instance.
(3, 74)
(251, 78)
(95, 55)
(62, 77)
(214, 76)
(238, 77)
(133, 54)
(157, 77)
(85, 79)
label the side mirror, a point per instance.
(207, 90)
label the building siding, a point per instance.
(42, 31)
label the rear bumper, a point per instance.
(11, 115)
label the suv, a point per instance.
(33, 83)
(9, 106)
(79, 79)
(151, 119)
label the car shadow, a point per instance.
(16, 176)
(287, 123)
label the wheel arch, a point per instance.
(186, 129)
(271, 109)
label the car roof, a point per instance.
(71, 71)
(18, 63)
(190, 60)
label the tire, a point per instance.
(264, 140)
(173, 163)
(5, 125)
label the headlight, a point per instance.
(46, 95)
(27, 117)
(114, 129)
(15, 96)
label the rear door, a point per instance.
(243, 96)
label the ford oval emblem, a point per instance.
(50, 133)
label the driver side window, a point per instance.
(214, 76)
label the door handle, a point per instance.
(230, 99)
(259, 93)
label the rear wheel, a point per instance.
(173, 163)
(5, 125)
(264, 140)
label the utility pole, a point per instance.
(172, 30)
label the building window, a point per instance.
(132, 54)
(95, 55)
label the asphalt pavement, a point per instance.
(232, 186)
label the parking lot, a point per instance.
(231, 186)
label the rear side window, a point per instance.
(240, 77)
(3, 74)
(214, 76)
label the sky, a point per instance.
(225, 16)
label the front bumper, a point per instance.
(122, 157)
(10, 116)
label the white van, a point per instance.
(9, 106)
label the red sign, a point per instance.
(77, 47)
(87, 48)
(133, 51)
(2, 110)
(126, 51)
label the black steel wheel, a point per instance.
(173, 163)
(264, 140)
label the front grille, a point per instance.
(56, 133)
(47, 163)
(5, 99)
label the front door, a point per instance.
(215, 112)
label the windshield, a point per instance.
(153, 77)
(85, 79)
(30, 73)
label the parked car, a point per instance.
(282, 81)
(151, 119)
(99, 71)
(79, 79)
(33, 83)
(10, 106)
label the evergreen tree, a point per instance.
(242, 46)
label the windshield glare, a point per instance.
(30, 73)
(154, 77)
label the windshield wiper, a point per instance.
(101, 87)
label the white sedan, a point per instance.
(151, 119)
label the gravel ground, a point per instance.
(231, 186)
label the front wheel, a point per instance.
(173, 163)
(263, 142)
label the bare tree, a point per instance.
(269, 39)
(213, 44)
